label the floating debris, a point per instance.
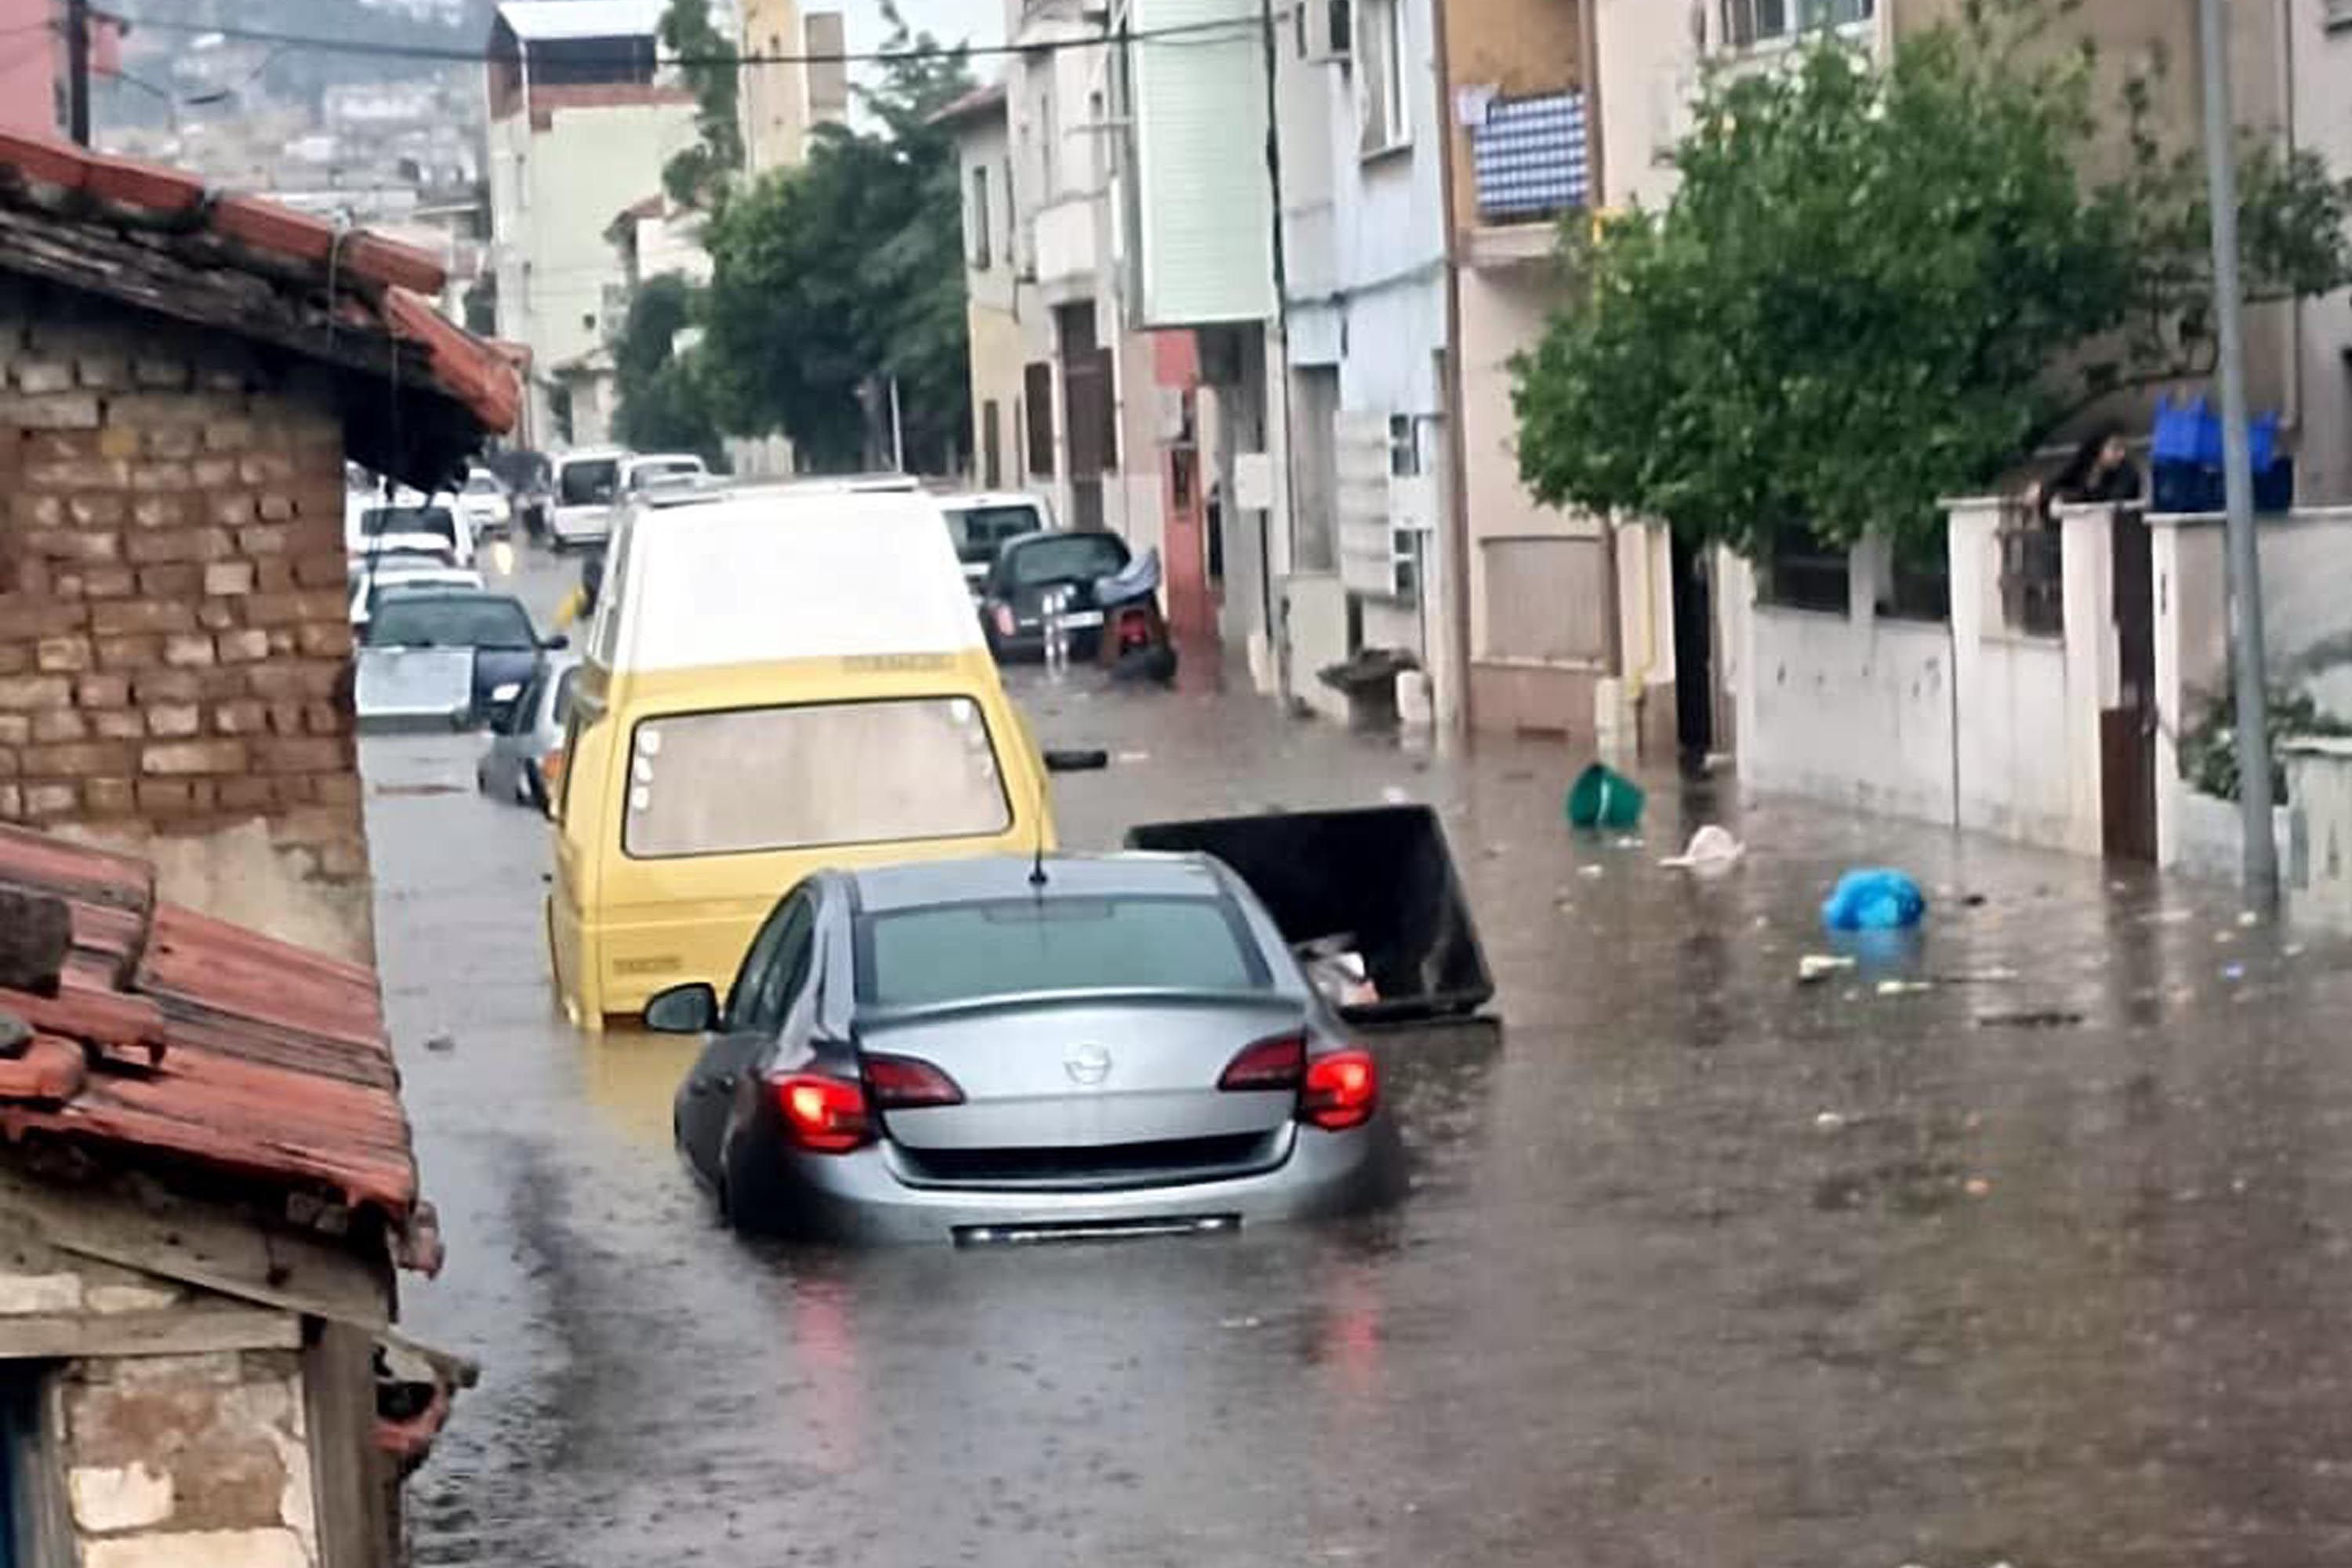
(1816, 967)
(2029, 1019)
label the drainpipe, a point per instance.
(1453, 548)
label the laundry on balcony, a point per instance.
(1529, 156)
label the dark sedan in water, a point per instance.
(494, 626)
(1002, 1049)
(1030, 568)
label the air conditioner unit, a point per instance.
(1330, 29)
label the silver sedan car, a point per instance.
(1005, 1050)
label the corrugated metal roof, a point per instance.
(204, 1042)
(542, 21)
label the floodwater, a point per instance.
(2047, 1264)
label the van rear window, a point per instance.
(758, 779)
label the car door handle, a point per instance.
(705, 1084)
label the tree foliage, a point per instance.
(834, 278)
(1877, 285)
(664, 405)
(698, 175)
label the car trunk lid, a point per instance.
(1090, 1070)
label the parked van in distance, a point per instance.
(587, 483)
(775, 682)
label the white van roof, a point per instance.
(749, 577)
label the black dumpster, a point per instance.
(1382, 875)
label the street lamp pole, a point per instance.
(2245, 574)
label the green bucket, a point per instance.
(1602, 797)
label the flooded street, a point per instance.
(2046, 1264)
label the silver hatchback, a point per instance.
(527, 747)
(1001, 1049)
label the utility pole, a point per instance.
(2245, 574)
(77, 70)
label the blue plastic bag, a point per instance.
(1874, 901)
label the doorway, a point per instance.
(1694, 655)
(2127, 730)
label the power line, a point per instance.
(1238, 27)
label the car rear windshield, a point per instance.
(483, 485)
(979, 530)
(389, 520)
(587, 483)
(673, 469)
(477, 620)
(761, 779)
(1066, 558)
(961, 953)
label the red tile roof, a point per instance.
(163, 216)
(172, 1034)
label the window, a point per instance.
(992, 459)
(977, 223)
(1037, 382)
(1749, 23)
(588, 483)
(1381, 77)
(759, 779)
(914, 958)
(979, 531)
(1065, 558)
(1800, 572)
(1404, 447)
(774, 968)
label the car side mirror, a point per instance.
(690, 1009)
(1077, 761)
(557, 643)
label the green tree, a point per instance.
(833, 279)
(697, 176)
(1877, 285)
(664, 405)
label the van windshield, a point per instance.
(802, 777)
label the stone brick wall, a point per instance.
(184, 1461)
(180, 1459)
(175, 646)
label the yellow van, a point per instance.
(775, 682)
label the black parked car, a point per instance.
(496, 627)
(1013, 605)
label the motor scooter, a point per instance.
(1134, 645)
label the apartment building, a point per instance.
(582, 117)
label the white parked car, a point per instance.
(484, 505)
(411, 525)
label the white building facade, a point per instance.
(582, 118)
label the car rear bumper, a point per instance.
(860, 1197)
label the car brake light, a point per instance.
(1005, 625)
(823, 1115)
(1275, 1064)
(551, 769)
(1343, 1090)
(903, 1083)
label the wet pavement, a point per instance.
(1699, 1267)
